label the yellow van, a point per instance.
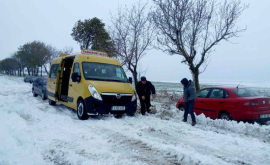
(91, 83)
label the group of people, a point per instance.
(145, 89)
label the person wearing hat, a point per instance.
(144, 90)
(189, 97)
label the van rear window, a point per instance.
(103, 72)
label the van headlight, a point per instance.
(93, 91)
(134, 97)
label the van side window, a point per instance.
(76, 69)
(53, 72)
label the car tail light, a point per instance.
(251, 103)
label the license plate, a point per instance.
(265, 116)
(118, 108)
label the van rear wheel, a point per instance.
(81, 110)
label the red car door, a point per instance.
(199, 101)
(216, 102)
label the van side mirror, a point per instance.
(75, 77)
(130, 80)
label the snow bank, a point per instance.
(168, 112)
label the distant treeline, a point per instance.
(32, 56)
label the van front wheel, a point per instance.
(81, 111)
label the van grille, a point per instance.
(113, 100)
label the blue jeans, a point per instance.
(189, 110)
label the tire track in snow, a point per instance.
(173, 133)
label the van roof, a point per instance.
(88, 58)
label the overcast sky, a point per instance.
(51, 21)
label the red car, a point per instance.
(230, 103)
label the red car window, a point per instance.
(203, 93)
(217, 93)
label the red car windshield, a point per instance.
(245, 92)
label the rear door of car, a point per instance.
(40, 86)
(216, 102)
(201, 96)
(37, 84)
(35, 87)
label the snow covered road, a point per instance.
(32, 132)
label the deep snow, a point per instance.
(32, 132)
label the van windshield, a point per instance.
(103, 72)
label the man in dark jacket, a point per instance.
(144, 90)
(189, 97)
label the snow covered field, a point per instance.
(34, 133)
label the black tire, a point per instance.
(34, 94)
(52, 103)
(81, 111)
(181, 108)
(43, 96)
(225, 116)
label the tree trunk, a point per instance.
(135, 76)
(45, 69)
(195, 76)
(41, 70)
(28, 71)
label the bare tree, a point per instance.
(67, 50)
(191, 28)
(52, 53)
(132, 35)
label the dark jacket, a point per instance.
(189, 91)
(145, 89)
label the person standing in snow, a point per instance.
(189, 97)
(144, 90)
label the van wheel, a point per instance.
(52, 103)
(81, 111)
(225, 116)
(181, 108)
(43, 96)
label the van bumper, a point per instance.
(94, 106)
